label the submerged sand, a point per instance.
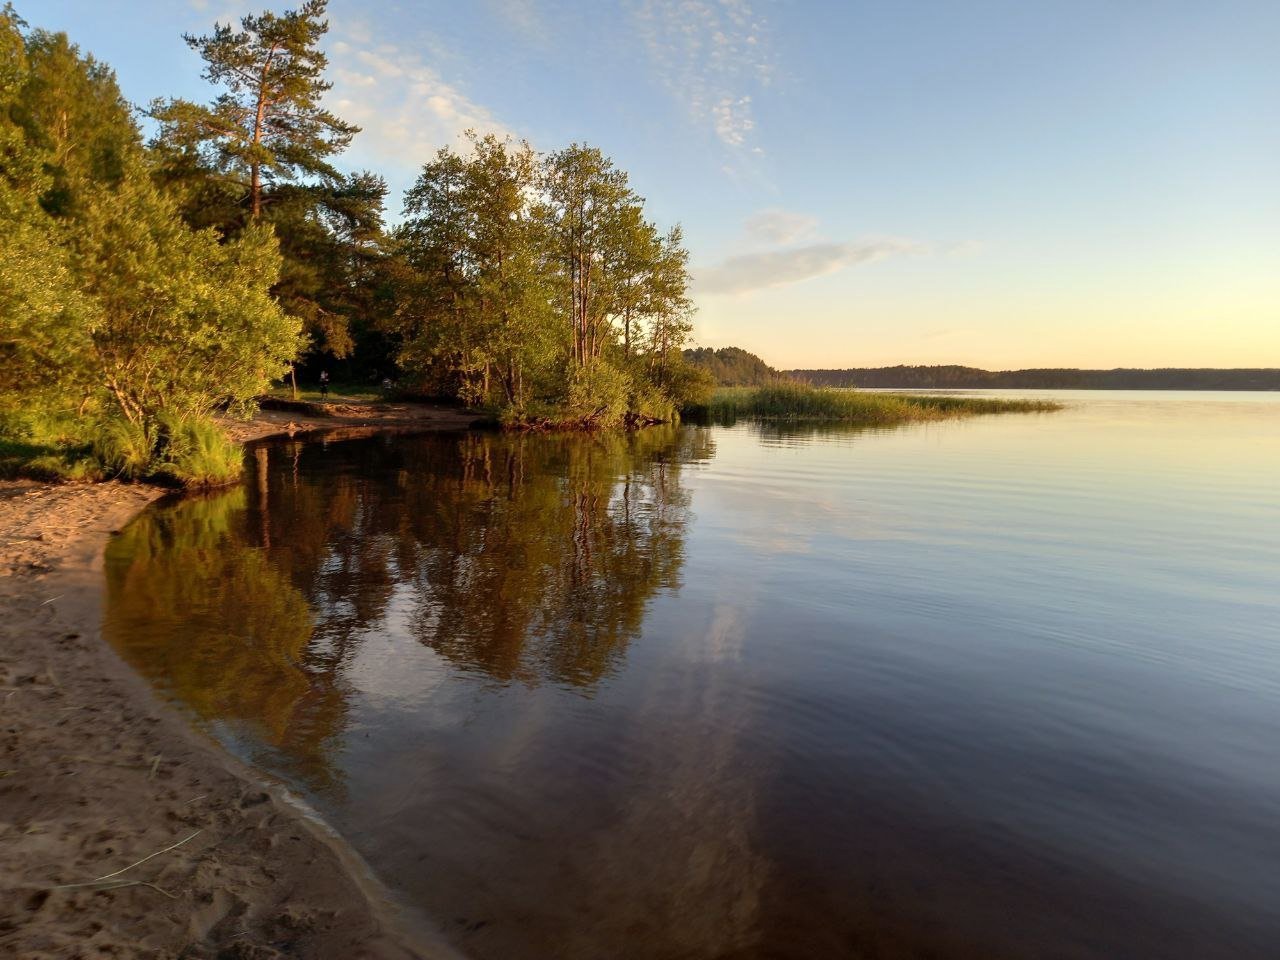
(124, 832)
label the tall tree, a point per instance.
(668, 308)
(433, 321)
(332, 239)
(268, 126)
(484, 296)
(41, 319)
(70, 109)
(263, 151)
(540, 279)
(588, 207)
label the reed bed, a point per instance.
(798, 401)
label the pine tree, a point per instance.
(263, 150)
(267, 127)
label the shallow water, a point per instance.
(1002, 687)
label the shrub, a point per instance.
(691, 387)
(598, 394)
(46, 445)
(648, 404)
(189, 452)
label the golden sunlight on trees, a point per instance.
(148, 286)
(537, 280)
(116, 314)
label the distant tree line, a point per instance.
(733, 366)
(146, 284)
(958, 377)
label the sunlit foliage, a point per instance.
(536, 285)
(112, 308)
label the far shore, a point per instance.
(126, 831)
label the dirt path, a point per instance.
(198, 858)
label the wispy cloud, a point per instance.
(965, 248)
(784, 247)
(521, 15)
(779, 227)
(405, 108)
(711, 54)
(775, 268)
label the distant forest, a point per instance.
(1048, 379)
(733, 366)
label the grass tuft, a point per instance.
(195, 453)
(63, 447)
(122, 448)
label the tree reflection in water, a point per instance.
(523, 559)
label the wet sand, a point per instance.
(124, 832)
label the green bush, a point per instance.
(61, 468)
(690, 386)
(123, 449)
(648, 404)
(46, 445)
(598, 395)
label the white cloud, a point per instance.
(733, 122)
(711, 54)
(779, 227)
(775, 268)
(405, 109)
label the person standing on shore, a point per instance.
(324, 383)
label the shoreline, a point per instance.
(292, 418)
(195, 853)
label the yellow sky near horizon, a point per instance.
(871, 318)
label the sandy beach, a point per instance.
(123, 831)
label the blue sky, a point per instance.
(997, 182)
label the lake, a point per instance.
(999, 687)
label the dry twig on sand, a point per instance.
(109, 881)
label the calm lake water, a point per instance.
(1002, 687)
